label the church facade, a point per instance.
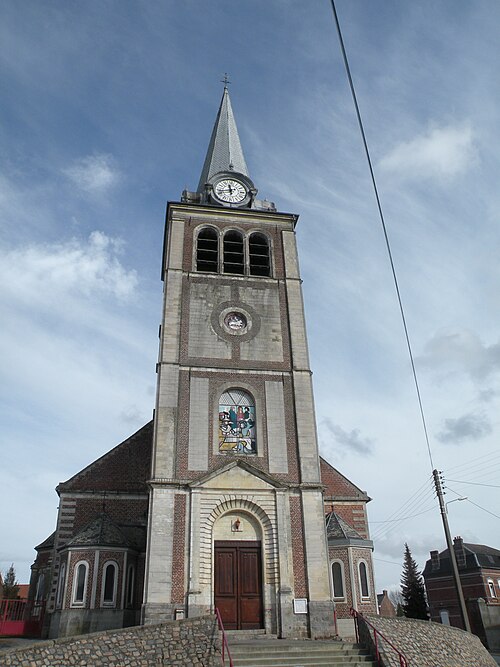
(222, 500)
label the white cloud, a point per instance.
(86, 267)
(94, 174)
(441, 152)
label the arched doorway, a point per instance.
(238, 582)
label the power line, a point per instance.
(404, 517)
(475, 504)
(391, 562)
(490, 456)
(382, 220)
(461, 481)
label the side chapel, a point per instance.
(222, 499)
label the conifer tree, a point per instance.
(10, 585)
(412, 589)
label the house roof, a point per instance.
(476, 556)
(124, 468)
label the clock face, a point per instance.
(230, 191)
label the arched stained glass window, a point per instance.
(207, 250)
(234, 256)
(258, 247)
(237, 422)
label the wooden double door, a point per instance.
(238, 584)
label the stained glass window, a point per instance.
(237, 422)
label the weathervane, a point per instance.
(225, 80)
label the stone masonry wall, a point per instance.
(189, 642)
(427, 644)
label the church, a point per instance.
(222, 500)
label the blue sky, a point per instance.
(107, 109)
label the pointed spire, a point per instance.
(224, 151)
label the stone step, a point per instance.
(265, 652)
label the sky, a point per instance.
(107, 109)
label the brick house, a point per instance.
(222, 498)
(479, 570)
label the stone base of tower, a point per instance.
(158, 613)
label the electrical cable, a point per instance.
(475, 504)
(462, 481)
(417, 496)
(473, 463)
(382, 220)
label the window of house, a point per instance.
(491, 587)
(207, 250)
(60, 585)
(80, 583)
(237, 422)
(363, 580)
(338, 580)
(258, 249)
(110, 579)
(234, 255)
(129, 595)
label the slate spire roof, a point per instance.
(337, 528)
(224, 150)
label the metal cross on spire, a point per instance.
(225, 80)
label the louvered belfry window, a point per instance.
(234, 256)
(207, 251)
(258, 246)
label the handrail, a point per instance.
(403, 662)
(225, 645)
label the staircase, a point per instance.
(296, 653)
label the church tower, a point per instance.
(236, 513)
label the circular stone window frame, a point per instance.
(220, 313)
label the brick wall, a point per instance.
(426, 644)
(190, 643)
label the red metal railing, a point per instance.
(21, 618)
(377, 636)
(225, 645)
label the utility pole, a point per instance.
(451, 550)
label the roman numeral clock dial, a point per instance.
(229, 190)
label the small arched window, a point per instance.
(258, 248)
(80, 583)
(207, 250)
(110, 580)
(237, 422)
(60, 585)
(363, 580)
(40, 588)
(129, 595)
(338, 580)
(234, 256)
